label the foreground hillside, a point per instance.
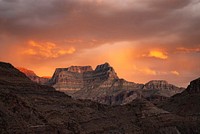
(186, 103)
(26, 107)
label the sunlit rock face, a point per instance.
(104, 86)
(77, 77)
(68, 79)
(31, 75)
(80, 69)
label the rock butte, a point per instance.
(104, 86)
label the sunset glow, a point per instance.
(47, 50)
(158, 54)
(142, 40)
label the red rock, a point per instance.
(30, 74)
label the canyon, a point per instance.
(28, 107)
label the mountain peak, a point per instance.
(104, 66)
(108, 69)
(194, 86)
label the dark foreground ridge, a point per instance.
(186, 103)
(27, 107)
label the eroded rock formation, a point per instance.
(104, 86)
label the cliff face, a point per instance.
(27, 107)
(77, 77)
(30, 74)
(104, 86)
(70, 79)
(80, 69)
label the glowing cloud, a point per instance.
(46, 50)
(158, 54)
(71, 50)
(175, 72)
(188, 50)
(149, 71)
(146, 71)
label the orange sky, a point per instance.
(142, 40)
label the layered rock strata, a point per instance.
(104, 86)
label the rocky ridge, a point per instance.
(30, 74)
(194, 87)
(104, 86)
(185, 103)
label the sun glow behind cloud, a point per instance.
(158, 54)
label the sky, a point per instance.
(142, 39)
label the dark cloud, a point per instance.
(169, 4)
(85, 19)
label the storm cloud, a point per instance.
(169, 26)
(100, 19)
